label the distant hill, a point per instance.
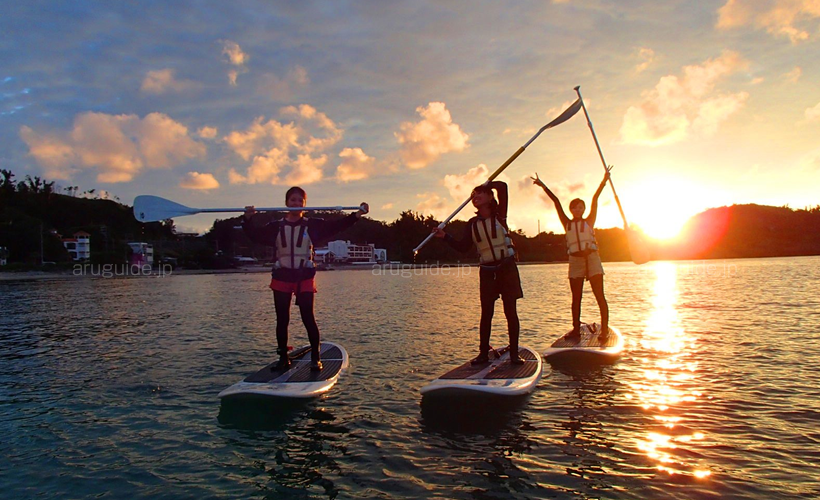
(746, 231)
(28, 205)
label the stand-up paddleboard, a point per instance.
(498, 376)
(589, 347)
(299, 381)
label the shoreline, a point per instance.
(257, 269)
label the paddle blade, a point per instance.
(153, 208)
(638, 248)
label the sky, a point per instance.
(408, 105)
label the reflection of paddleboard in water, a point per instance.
(498, 376)
(589, 346)
(299, 381)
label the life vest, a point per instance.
(580, 238)
(294, 249)
(492, 240)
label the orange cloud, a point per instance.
(355, 166)
(196, 180)
(118, 146)
(423, 142)
(681, 105)
(207, 132)
(433, 204)
(276, 147)
(794, 75)
(778, 18)
(306, 170)
(646, 56)
(163, 80)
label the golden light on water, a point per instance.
(669, 376)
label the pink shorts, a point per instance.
(292, 286)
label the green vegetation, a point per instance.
(33, 203)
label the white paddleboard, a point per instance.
(588, 347)
(297, 382)
(498, 376)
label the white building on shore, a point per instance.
(143, 254)
(345, 252)
(79, 247)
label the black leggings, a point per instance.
(281, 301)
(485, 325)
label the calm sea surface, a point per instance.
(108, 389)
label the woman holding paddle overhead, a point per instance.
(293, 273)
(584, 261)
(498, 274)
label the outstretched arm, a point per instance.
(462, 245)
(593, 210)
(558, 208)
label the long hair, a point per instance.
(493, 203)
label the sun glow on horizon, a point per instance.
(660, 207)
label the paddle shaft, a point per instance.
(601, 155)
(271, 209)
(490, 179)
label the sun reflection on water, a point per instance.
(669, 381)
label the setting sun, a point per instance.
(662, 206)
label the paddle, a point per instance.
(153, 208)
(637, 247)
(566, 115)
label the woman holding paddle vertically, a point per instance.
(584, 261)
(498, 274)
(293, 273)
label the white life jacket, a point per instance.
(580, 238)
(492, 240)
(294, 249)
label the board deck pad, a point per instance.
(300, 363)
(298, 381)
(498, 376)
(504, 370)
(588, 347)
(589, 337)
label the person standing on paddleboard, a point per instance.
(584, 261)
(498, 274)
(294, 271)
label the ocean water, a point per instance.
(108, 389)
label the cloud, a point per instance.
(118, 146)
(235, 57)
(232, 76)
(263, 168)
(277, 147)
(778, 18)
(163, 80)
(424, 141)
(460, 186)
(387, 206)
(813, 114)
(53, 153)
(355, 166)
(306, 170)
(196, 180)
(810, 161)
(282, 89)
(234, 53)
(432, 204)
(646, 57)
(794, 75)
(681, 105)
(207, 132)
